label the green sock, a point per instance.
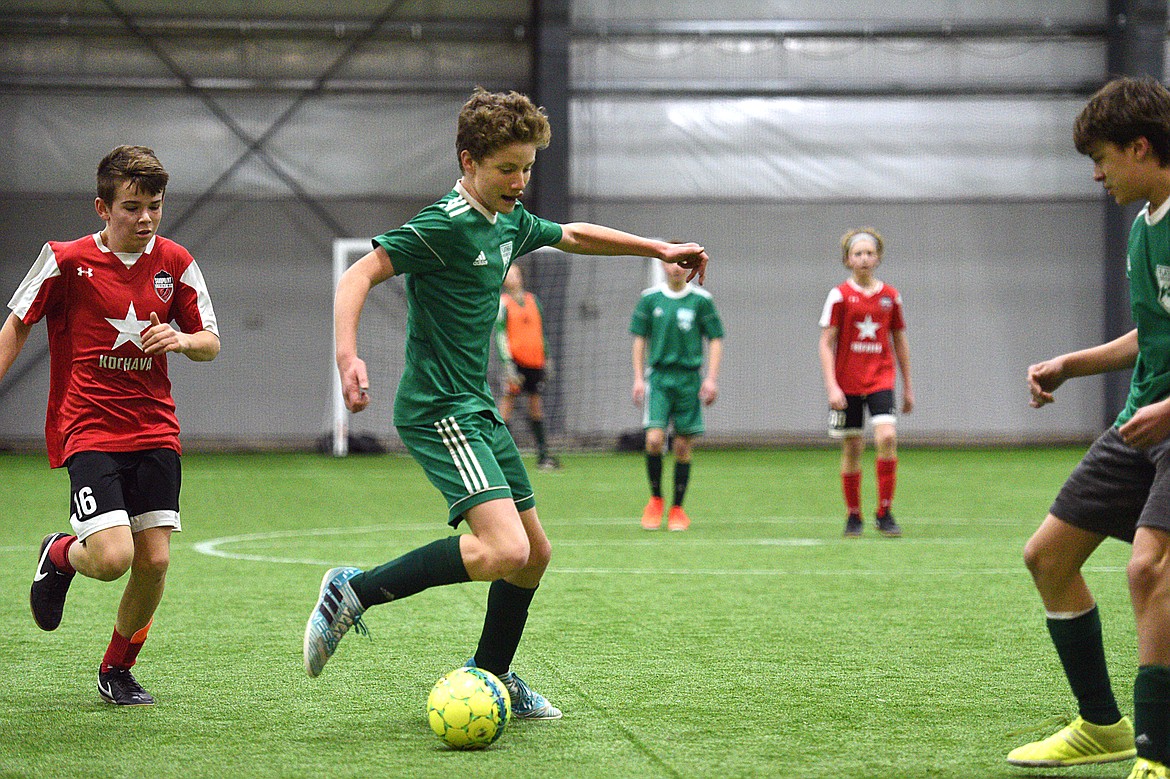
(503, 624)
(1082, 653)
(682, 477)
(439, 562)
(654, 474)
(1151, 712)
(538, 433)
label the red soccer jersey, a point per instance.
(105, 393)
(864, 322)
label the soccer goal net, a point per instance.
(587, 302)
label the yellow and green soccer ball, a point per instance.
(469, 708)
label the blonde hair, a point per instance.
(858, 233)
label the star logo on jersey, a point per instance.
(867, 328)
(129, 329)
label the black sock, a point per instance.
(439, 562)
(503, 624)
(1151, 712)
(654, 472)
(537, 426)
(1082, 653)
(682, 475)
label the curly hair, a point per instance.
(490, 121)
(136, 164)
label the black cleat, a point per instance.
(49, 586)
(853, 526)
(118, 686)
(887, 526)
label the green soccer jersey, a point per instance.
(674, 325)
(1148, 268)
(454, 256)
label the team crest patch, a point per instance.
(1162, 272)
(164, 285)
(506, 252)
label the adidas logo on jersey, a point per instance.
(481, 259)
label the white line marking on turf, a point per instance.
(212, 548)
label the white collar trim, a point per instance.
(478, 206)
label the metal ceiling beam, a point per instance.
(504, 29)
(788, 28)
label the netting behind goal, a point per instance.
(587, 303)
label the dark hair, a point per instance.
(136, 164)
(490, 121)
(1124, 110)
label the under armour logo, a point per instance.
(85, 272)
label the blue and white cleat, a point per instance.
(337, 610)
(527, 703)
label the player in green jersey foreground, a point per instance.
(454, 255)
(1121, 488)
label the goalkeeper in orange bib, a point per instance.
(523, 352)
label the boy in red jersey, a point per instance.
(108, 299)
(862, 333)
(524, 352)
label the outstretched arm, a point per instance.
(13, 335)
(587, 238)
(352, 291)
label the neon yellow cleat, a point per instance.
(1080, 743)
(1148, 769)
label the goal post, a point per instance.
(345, 250)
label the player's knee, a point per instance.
(108, 563)
(539, 556)
(1042, 561)
(153, 563)
(1146, 574)
(506, 559)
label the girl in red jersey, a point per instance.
(862, 334)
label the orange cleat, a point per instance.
(652, 514)
(677, 519)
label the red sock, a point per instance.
(851, 486)
(123, 652)
(59, 554)
(887, 476)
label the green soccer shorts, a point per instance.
(673, 395)
(471, 459)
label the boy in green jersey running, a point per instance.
(1121, 488)
(454, 255)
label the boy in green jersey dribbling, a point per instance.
(1121, 488)
(454, 255)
